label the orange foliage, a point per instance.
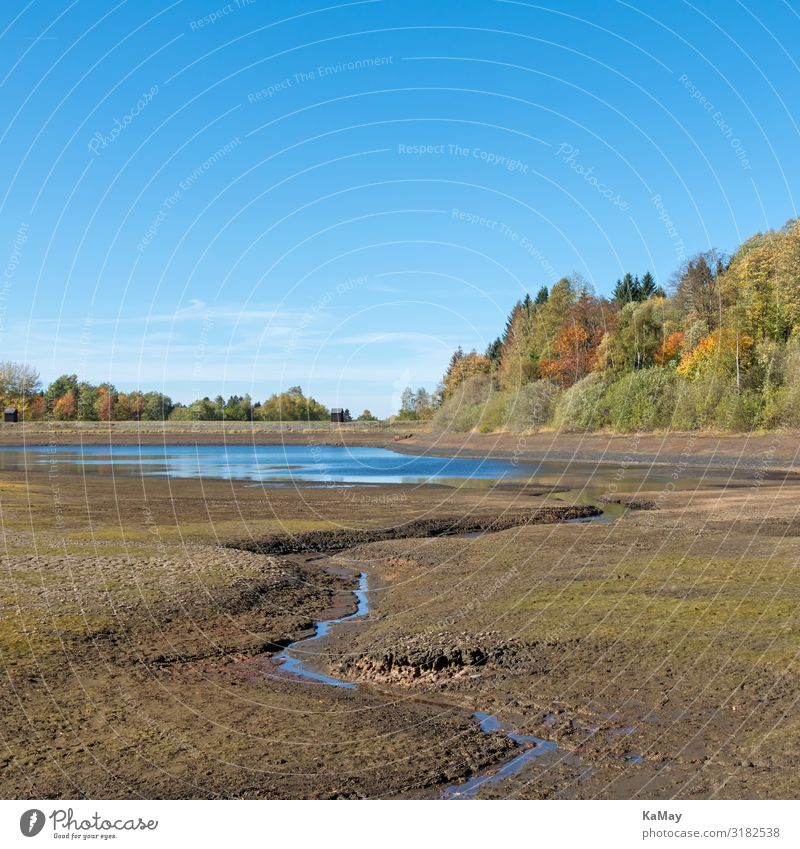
(65, 407)
(575, 353)
(669, 348)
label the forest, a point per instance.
(69, 399)
(717, 348)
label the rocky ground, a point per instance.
(139, 619)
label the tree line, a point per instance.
(717, 347)
(69, 399)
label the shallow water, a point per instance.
(295, 657)
(273, 465)
(322, 465)
(533, 747)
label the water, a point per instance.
(322, 465)
(295, 657)
(274, 465)
(533, 747)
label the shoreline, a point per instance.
(768, 453)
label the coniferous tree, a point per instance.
(494, 350)
(541, 296)
(647, 287)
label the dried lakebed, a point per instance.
(296, 659)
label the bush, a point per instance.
(697, 401)
(740, 412)
(462, 411)
(531, 406)
(642, 400)
(580, 407)
(493, 414)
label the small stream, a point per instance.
(292, 658)
(533, 747)
(295, 660)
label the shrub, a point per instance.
(642, 400)
(531, 406)
(462, 411)
(580, 407)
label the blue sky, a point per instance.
(204, 198)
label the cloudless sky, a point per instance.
(205, 198)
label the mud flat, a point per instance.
(656, 655)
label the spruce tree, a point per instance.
(647, 287)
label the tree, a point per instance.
(346, 415)
(541, 296)
(104, 402)
(291, 405)
(18, 381)
(494, 351)
(628, 290)
(366, 416)
(60, 386)
(575, 350)
(466, 366)
(697, 288)
(647, 287)
(424, 404)
(723, 352)
(157, 407)
(87, 400)
(65, 408)
(641, 331)
(417, 405)
(408, 405)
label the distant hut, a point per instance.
(11, 414)
(337, 414)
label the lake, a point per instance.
(271, 464)
(323, 465)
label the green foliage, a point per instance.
(580, 407)
(419, 405)
(642, 400)
(461, 412)
(531, 406)
(291, 406)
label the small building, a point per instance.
(10, 414)
(337, 414)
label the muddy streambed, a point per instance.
(297, 659)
